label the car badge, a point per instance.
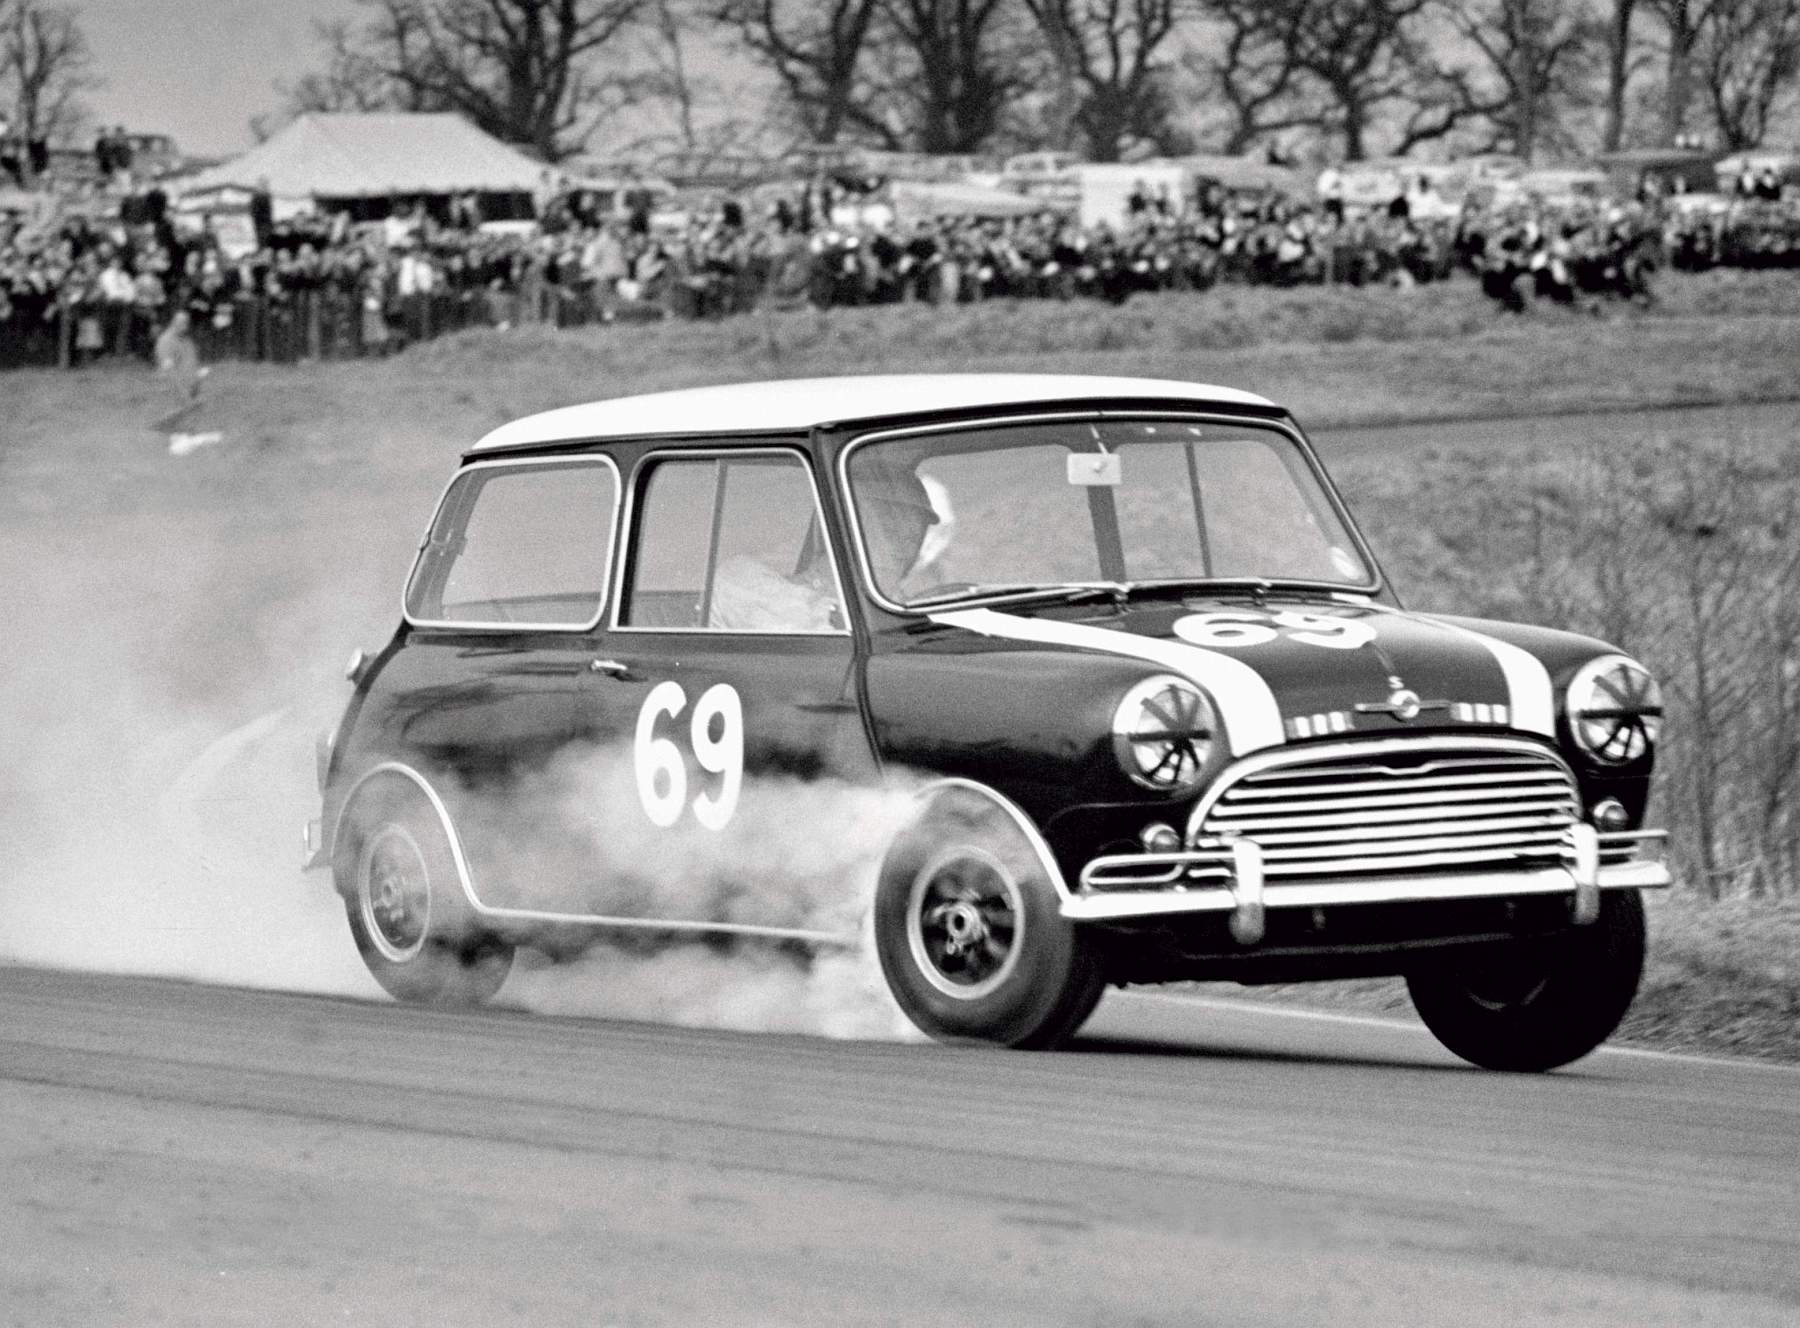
(1403, 703)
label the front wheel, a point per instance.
(1539, 1003)
(969, 934)
(404, 902)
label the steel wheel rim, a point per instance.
(394, 893)
(965, 923)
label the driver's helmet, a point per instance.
(907, 523)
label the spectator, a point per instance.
(12, 155)
(76, 289)
(178, 360)
(1330, 188)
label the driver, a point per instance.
(908, 524)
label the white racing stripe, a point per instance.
(1527, 681)
(1244, 701)
(1532, 698)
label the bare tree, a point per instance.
(696, 121)
(1254, 70)
(672, 79)
(1748, 56)
(1533, 54)
(1619, 69)
(816, 48)
(45, 66)
(958, 76)
(523, 70)
(1357, 64)
(1113, 52)
(1685, 23)
(352, 78)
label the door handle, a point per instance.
(612, 668)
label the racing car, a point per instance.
(1156, 712)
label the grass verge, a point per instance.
(1723, 979)
(1334, 357)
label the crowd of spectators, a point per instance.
(83, 288)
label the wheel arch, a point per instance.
(421, 787)
(1016, 814)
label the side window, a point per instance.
(731, 544)
(522, 545)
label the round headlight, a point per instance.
(1163, 733)
(1615, 710)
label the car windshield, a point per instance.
(1106, 502)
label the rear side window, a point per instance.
(732, 544)
(520, 545)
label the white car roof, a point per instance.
(796, 405)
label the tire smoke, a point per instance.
(798, 855)
(175, 651)
(174, 851)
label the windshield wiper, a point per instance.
(1011, 593)
(1258, 588)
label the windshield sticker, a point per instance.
(1090, 469)
(1236, 629)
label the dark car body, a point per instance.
(1374, 784)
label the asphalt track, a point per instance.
(175, 1153)
(180, 1153)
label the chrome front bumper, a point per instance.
(1145, 885)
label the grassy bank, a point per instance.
(1333, 356)
(215, 587)
(1723, 979)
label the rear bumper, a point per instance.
(1146, 885)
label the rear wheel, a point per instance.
(969, 934)
(1539, 1003)
(412, 925)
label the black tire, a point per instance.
(1535, 1004)
(411, 922)
(969, 935)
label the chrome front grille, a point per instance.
(1396, 805)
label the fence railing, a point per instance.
(331, 323)
(303, 325)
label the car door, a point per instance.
(484, 692)
(509, 584)
(725, 692)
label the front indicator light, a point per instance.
(1610, 814)
(1159, 838)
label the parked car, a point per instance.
(1162, 716)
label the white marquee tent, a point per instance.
(376, 155)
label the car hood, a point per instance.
(1291, 670)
